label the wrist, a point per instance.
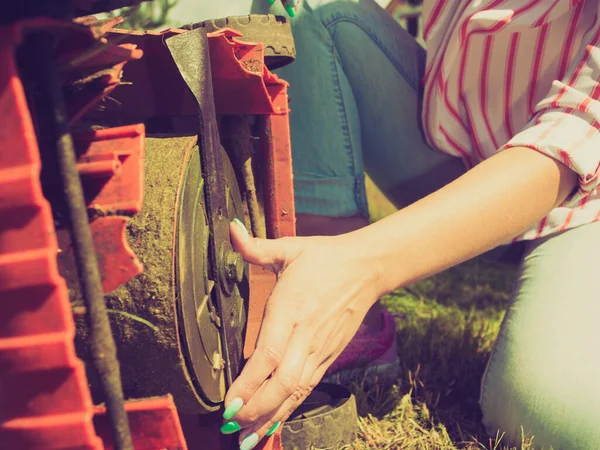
(370, 260)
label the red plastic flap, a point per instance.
(111, 164)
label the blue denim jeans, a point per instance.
(355, 98)
(355, 95)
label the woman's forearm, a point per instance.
(488, 206)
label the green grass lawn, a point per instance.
(446, 328)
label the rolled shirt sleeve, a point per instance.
(566, 123)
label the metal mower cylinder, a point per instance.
(164, 321)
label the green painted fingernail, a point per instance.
(233, 408)
(290, 10)
(273, 428)
(249, 442)
(271, 2)
(230, 428)
(240, 224)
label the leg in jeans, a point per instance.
(543, 374)
(355, 96)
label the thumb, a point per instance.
(272, 254)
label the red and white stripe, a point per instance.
(506, 73)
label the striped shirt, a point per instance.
(518, 73)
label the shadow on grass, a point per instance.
(477, 284)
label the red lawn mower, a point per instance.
(124, 155)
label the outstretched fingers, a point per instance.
(269, 424)
(267, 357)
(285, 383)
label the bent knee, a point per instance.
(542, 377)
(541, 402)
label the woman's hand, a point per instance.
(327, 284)
(322, 294)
